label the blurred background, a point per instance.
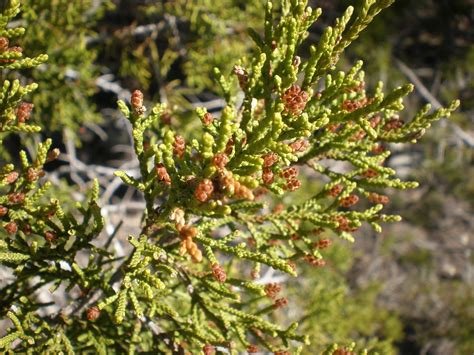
(409, 290)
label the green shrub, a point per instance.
(194, 278)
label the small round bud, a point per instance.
(220, 160)
(335, 190)
(3, 211)
(31, 175)
(293, 184)
(295, 100)
(137, 100)
(11, 227)
(4, 43)
(93, 313)
(50, 236)
(23, 111)
(179, 146)
(207, 118)
(162, 174)
(219, 273)
(269, 159)
(204, 190)
(272, 290)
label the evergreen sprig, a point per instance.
(192, 281)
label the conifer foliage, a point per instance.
(193, 279)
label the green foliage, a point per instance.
(193, 279)
(62, 29)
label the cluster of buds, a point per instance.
(393, 124)
(187, 233)
(3, 211)
(290, 175)
(323, 244)
(23, 111)
(33, 174)
(335, 190)
(162, 174)
(11, 177)
(269, 159)
(343, 224)
(220, 160)
(370, 173)
(376, 198)
(242, 75)
(280, 302)
(295, 100)
(219, 273)
(299, 146)
(11, 227)
(179, 146)
(137, 102)
(16, 197)
(272, 290)
(93, 313)
(281, 352)
(207, 119)
(204, 190)
(313, 261)
(349, 201)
